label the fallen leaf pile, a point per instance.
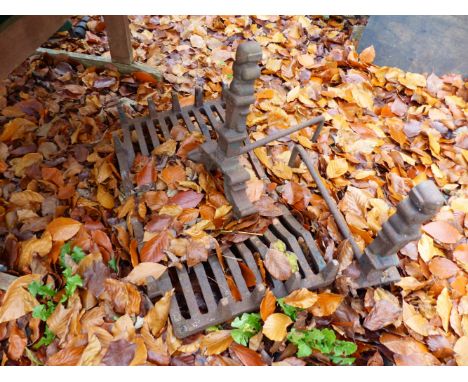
(386, 131)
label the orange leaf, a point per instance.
(233, 287)
(216, 342)
(247, 357)
(144, 77)
(249, 276)
(142, 271)
(104, 198)
(171, 175)
(63, 229)
(442, 231)
(367, 56)
(301, 298)
(268, 305)
(326, 304)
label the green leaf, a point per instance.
(66, 248)
(36, 288)
(43, 311)
(343, 348)
(113, 265)
(342, 361)
(71, 283)
(303, 350)
(77, 254)
(213, 328)
(246, 326)
(241, 337)
(46, 339)
(288, 310)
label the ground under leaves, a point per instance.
(65, 227)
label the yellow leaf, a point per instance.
(282, 170)
(216, 342)
(301, 298)
(158, 314)
(17, 300)
(275, 326)
(105, 198)
(326, 304)
(167, 148)
(261, 153)
(426, 247)
(412, 80)
(222, 211)
(444, 306)
(460, 204)
(414, 320)
(461, 351)
(434, 144)
(337, 167)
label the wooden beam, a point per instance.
(100, 62)
(21, 35)
(6, 280)
(118, 34)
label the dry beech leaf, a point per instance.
(104, 198)
(414, 320)
(140, 273)
(461, 351)
(337, 167)
(16, 343)
(63, 229)
(382, 314)
(275, 326)
(443, 268)
(326, 304)
(402, 345)
(153, 249)
(277, 264)
(171, 175)
(40, 246)
(247, 357)
(460, 254)
(119, 353)
(268, 304)
(158, 314)
(216, 342)
(91, 352)
(301, 298)
(367, 56)
(17, 300)
(443, 307)
(442, 231)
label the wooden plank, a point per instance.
(118, 34)
(99, 62)
(21, 35)
(6, 280)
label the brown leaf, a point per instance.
(147, 175)
(216, 342)
(301, 298)
(16, 343)
(196, 253)
(119, 353)
(443, 268)
(414, 320)
(268, 305)
(40, 246)
(247, 357)
(277, 264)
(158, 314)
(142, 271)
(275, 326)
(104, 198)
(402, 345)
(123, 297)
(186, 199)
(461, 351)
(382, 314)
(296, 195)
(153, 250)
(69, 356)
(326, 304)
(63, 229)
(17, 300)
(460, 254)
(442, 231)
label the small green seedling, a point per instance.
(246, 326)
